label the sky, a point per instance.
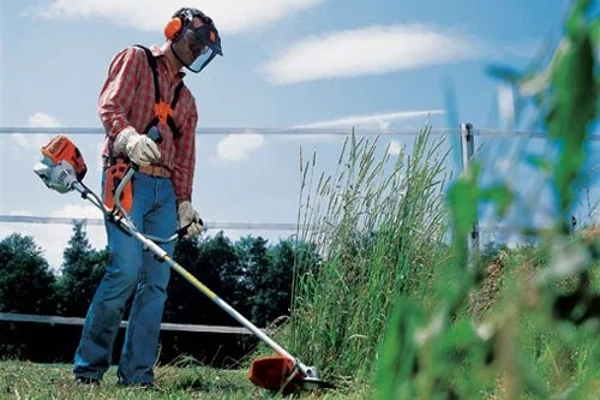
(384, 65)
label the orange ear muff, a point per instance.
(172, 28)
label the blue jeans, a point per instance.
(131, 271)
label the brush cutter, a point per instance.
(62, 168)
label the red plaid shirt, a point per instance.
(127, 99)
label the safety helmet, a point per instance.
(194, 38)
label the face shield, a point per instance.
(198, 44)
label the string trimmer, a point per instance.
(62, 168)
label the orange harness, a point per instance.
(117, 167)
(163, 111)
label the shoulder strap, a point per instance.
(153, 66)
(176, 94)
(170, 121)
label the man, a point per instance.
(145, 89)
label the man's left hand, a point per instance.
(189, 217)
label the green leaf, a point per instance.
(462, 197)
(398, 361)
(539, 162)
(594, 30)
(501, 195)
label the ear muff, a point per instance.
(172, 28)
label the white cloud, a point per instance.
(40, 119)
(395, 148)
(36, 141)
(381, 120)
(231, 16)
(237, 147)
(377, 122)
(370, 50)
(78, 211)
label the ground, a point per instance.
(26, 380)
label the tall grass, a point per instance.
(378, 222)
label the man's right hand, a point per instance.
(139, 148)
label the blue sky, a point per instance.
(302, 63)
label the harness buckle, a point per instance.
(162, 111)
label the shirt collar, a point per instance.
(158, 53)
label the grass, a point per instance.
(182, 381)
(378, 223)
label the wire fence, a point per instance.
(258, 226)
(278, 131)
(489, 133)
(263, 226)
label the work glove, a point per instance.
(139, 148)
(188, 216)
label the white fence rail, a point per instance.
(165, 326)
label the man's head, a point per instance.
(193, 37)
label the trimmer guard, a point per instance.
(281, 374)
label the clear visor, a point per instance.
(192, 50)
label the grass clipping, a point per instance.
(377, 223)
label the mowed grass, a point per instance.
(27, 380)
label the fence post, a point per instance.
(468, 150)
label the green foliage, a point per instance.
(254, 277)
(539, 338)
(215, 263)
(26, 281)
(82, 270)
(26, 286)
(272, 280)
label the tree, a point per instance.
(214, 262)
(273, 277)
(180, 292)
(273, 284)
(255, 264)
(26, 280)
(26, 287)
(82, 270)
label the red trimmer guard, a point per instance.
(275, 373)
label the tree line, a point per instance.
(253, 276)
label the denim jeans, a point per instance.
(131, 271)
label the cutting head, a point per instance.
(281, 374)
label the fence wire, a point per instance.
(275, 131)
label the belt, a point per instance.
(154, 170)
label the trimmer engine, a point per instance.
(62, 164)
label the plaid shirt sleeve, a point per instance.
(185, 148)
(118, 92)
